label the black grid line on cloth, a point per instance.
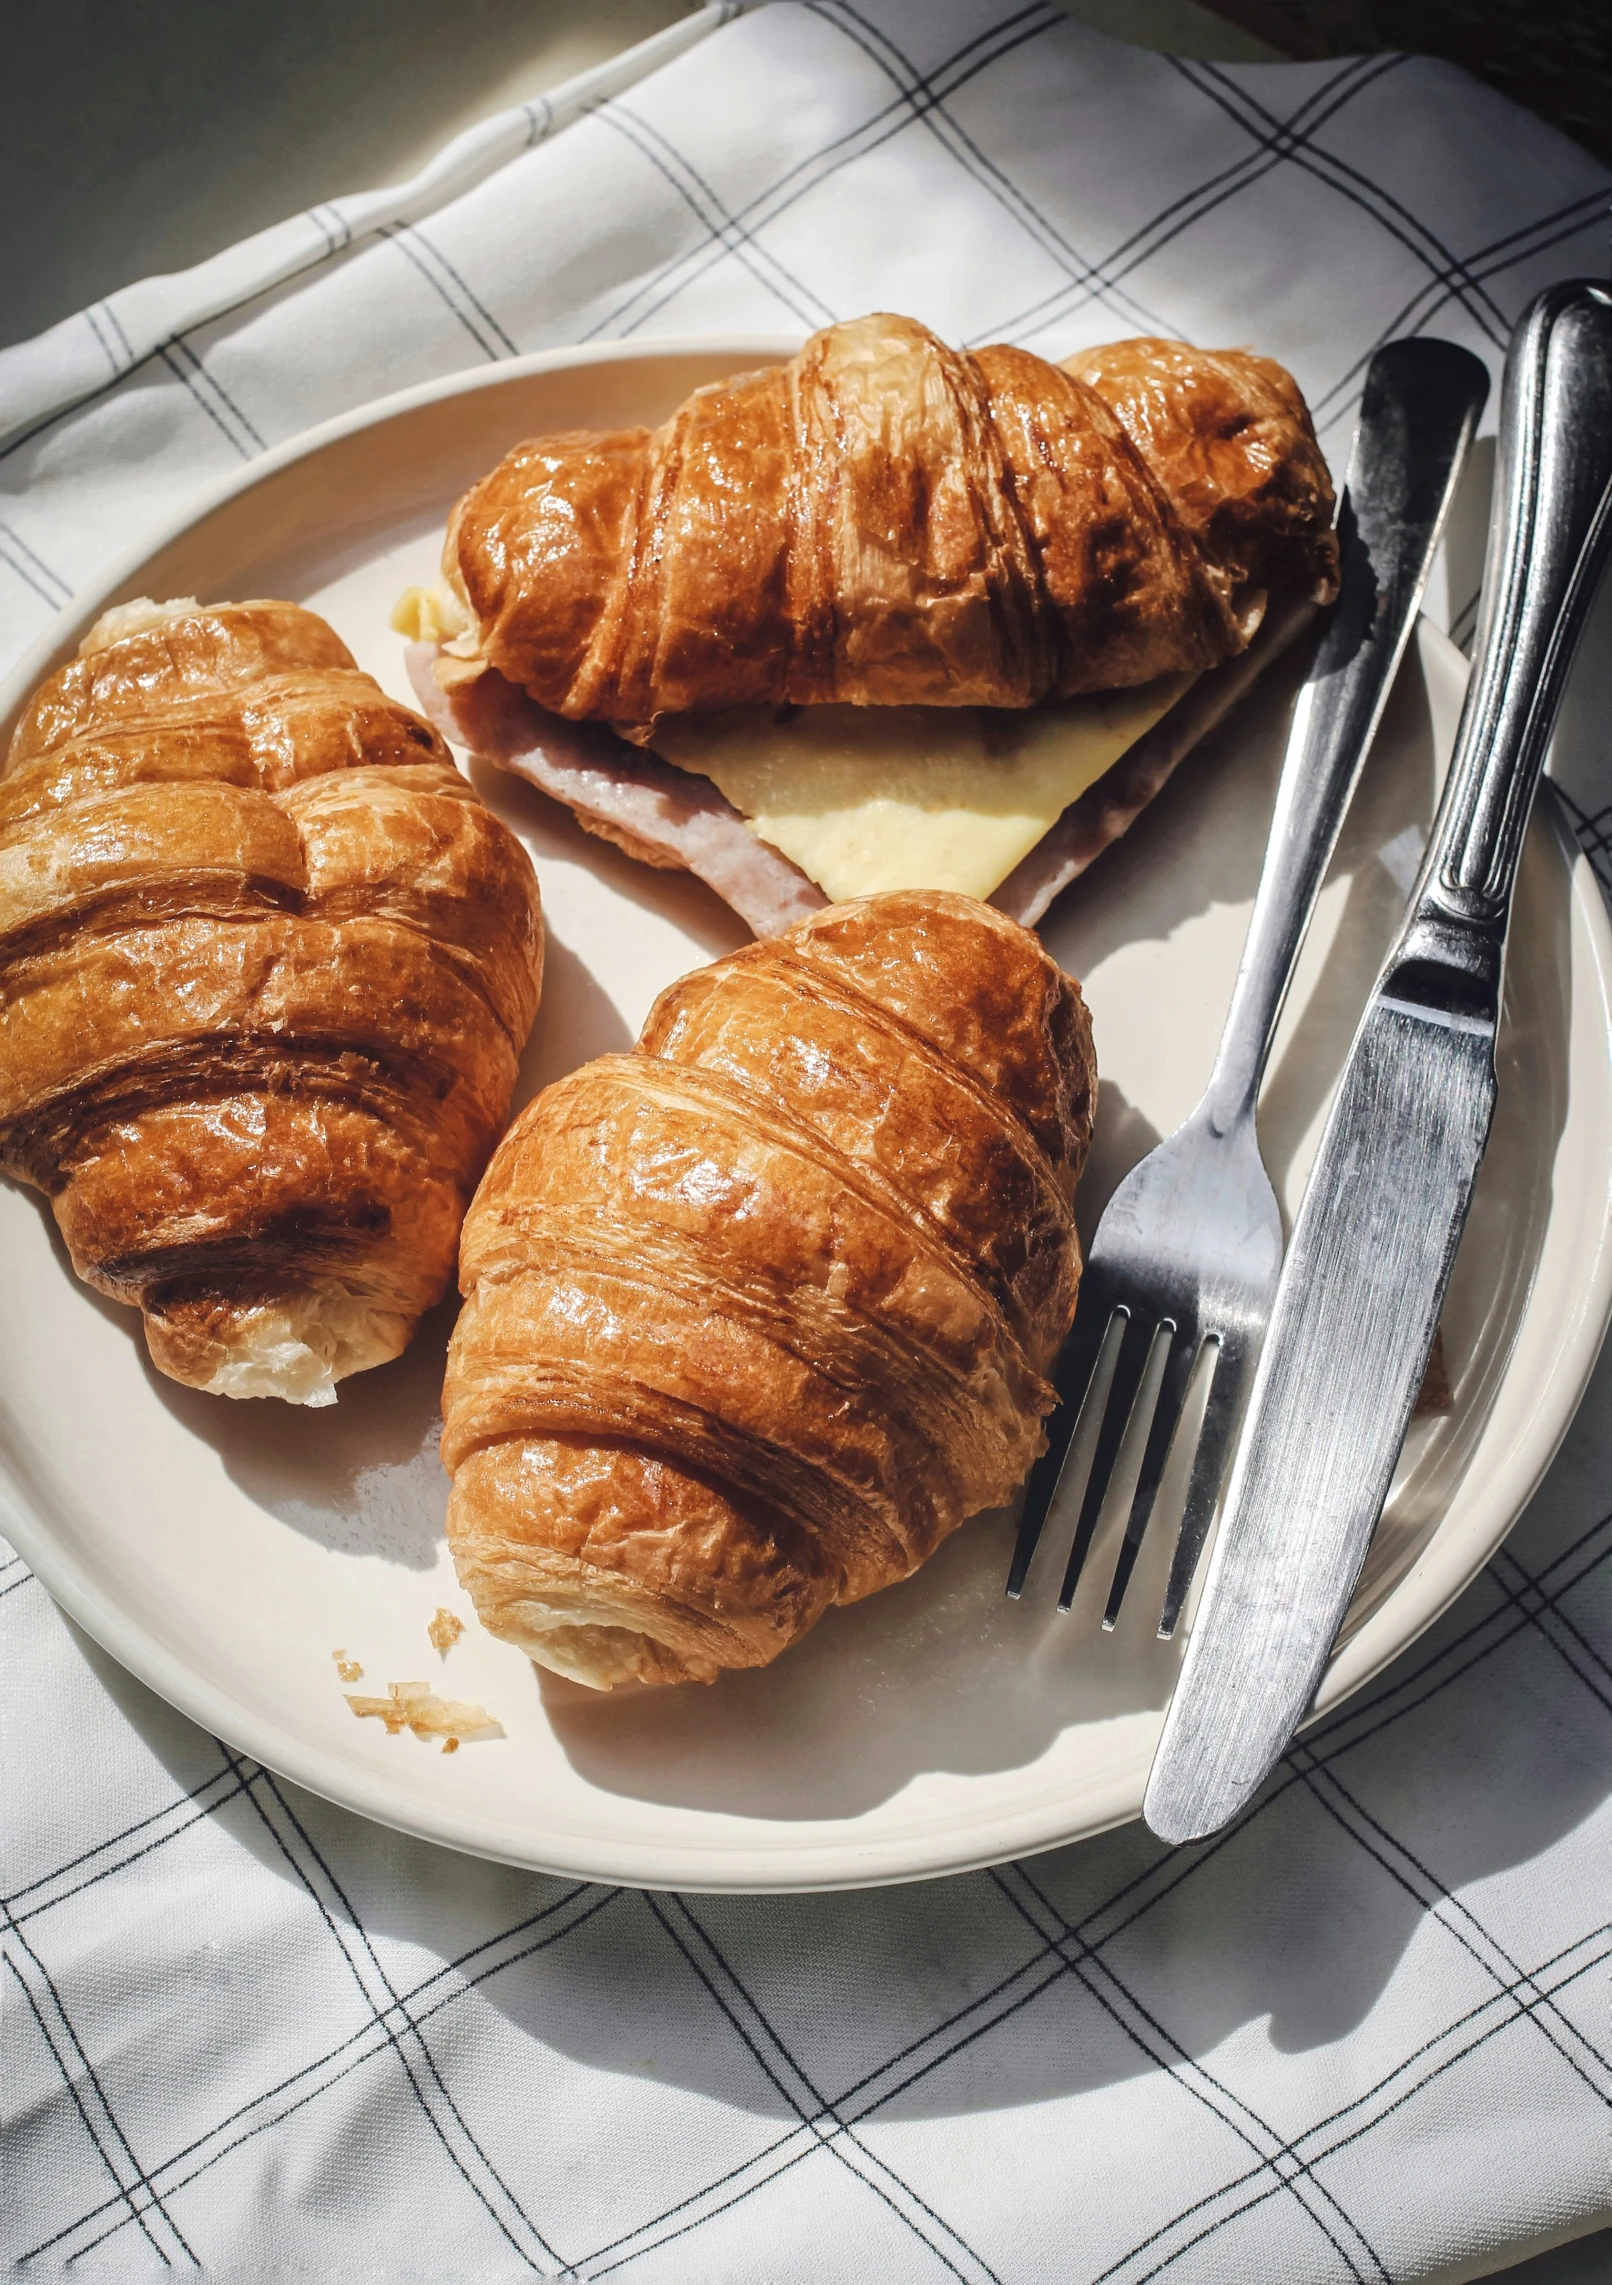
(457, 1979)
(1463, 626)
(863, 2097)
(1550, 1977)
(1537, 1607)
(159, 349)
(231, 424)
(1490, 261)
(12, 1586)
(138, 1840)
(927, 106)
(799, 2142)
(453, 2131)
(30, 565)
(329, 220)
(1581, 1552)
(1592, 829)
(974, 2020)
(1501, 1625)
(721, 227)
(99, 332)
(762, 2039)
(156, 353)
(1189, 207)
(595, 2266)
(102, 318)
(882, 126)
(115, 323)
(24, 578)
(1352, 1726)
(1518, 1997)
(89, 2096)
(1454, 1916)
(450, 289)
(179, 340)
(1166, 2053)
(1389, 212)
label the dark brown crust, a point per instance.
(886, 521)
(759, 1313)
(266, 967)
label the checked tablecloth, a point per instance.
(1362, 2036)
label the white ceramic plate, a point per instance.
(223, 1551)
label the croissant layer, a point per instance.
(758, 1313)
(266, 968)
(887, 521)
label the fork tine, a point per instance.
(1129, 1366)
(1166, 1417)
(1208, 1474)
(1072, 1376)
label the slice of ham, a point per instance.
(677, 820)
(1120, 795)
(665, 816)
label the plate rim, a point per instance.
(778, 1866)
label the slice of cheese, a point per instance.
(865, 798)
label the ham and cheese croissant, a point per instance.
(884, 523)
(758, 1313)
(267, 965)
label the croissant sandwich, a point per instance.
(889, 615)
(267, 965)
(758, 1313)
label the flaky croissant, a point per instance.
(886, 521)
(758, 1313)
(266, 966)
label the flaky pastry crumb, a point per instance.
(415, 1706)
(445, 1630)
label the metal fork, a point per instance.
(1188, 1250)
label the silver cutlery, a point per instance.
(1189, 1247)
(1366, 1271)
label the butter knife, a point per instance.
(1365, 1274)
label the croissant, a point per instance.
(885, 521)
(267, 965)
(758, 1313)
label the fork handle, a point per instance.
(1418, 412)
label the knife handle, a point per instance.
(1418, 413)
(1548, 542)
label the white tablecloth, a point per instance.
(1363, 2036)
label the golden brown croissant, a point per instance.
(886, 521)
(757, 1314)
(266, 966)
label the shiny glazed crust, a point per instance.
(267, 965)
(886, 521)
(758, 1313)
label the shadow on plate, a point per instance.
(939, 1673)
(994, 1989)
(364, 1475)
(551, 830)
(981, 1683)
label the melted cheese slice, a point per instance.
(865, 798)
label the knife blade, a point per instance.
(1364, 1277)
